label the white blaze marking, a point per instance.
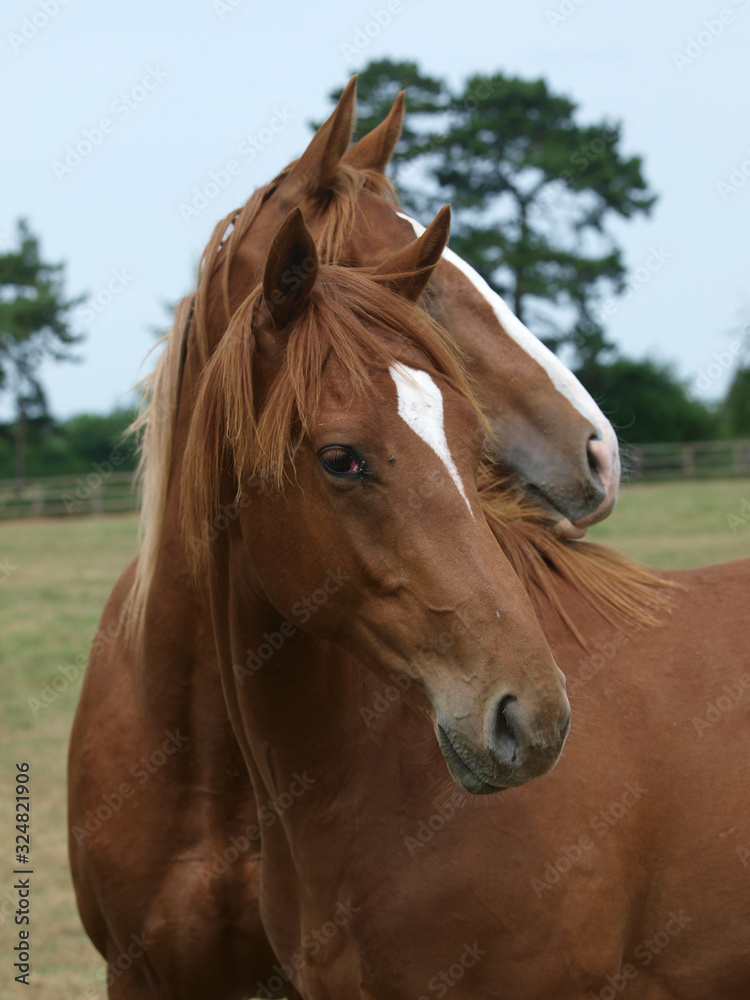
(420, 405)
(563, 380)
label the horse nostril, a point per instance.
(593, 459)
(505, 743)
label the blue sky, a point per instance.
(168, 94)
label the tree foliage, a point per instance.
(736, 407)
(34, 326)
(72, 446)
(531, 188)
(646, 402)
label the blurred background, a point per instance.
(597, 159)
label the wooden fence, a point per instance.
(100, 492)
(700, 460)
(92, 493)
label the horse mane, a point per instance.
(350, 318)
(156, 419)
(623, 592)
(154, 428)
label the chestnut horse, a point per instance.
(166, 683)
(404, 651)
(546, 429)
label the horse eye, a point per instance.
(340, 461)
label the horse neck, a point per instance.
(300, 706)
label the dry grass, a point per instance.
(63, 571)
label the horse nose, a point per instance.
(504, 742)
(521, 745)
(604, 464)
(599, 459)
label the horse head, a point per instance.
(336, 417)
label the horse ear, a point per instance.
(291, 270)
(408, 270)
(314, 170)
(374, 150)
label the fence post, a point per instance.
(37, 500)
(740, 456)
(688, 461)
(636, 462)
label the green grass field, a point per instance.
(54, 578)
(676, 525)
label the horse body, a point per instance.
(625, 863)
(157, 789)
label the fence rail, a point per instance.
(93, 493)
(699, 460)
(98, 493)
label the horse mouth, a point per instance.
(571, 525)
(463, 774)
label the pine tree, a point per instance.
(531, 189)
(34, 326)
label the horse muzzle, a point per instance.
(516, 747)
